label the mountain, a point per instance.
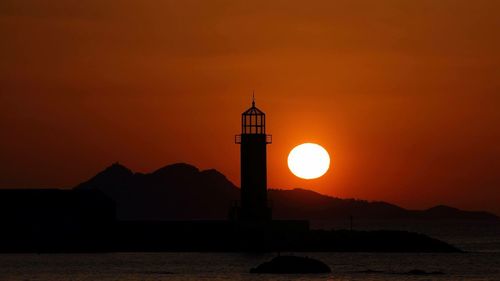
(183, 192)
(175, 192)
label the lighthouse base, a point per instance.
(240, 214)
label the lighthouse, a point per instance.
(253, 142)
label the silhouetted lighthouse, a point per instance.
(253, 141)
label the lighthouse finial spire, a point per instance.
(253, 98)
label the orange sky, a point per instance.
(405, 95)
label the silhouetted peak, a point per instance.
(114, 174)
(177, 169)
(117, 168)
(213, 173)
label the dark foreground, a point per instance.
(212, 236)
(55, 221)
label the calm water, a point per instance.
(223, 266)
(482, 263)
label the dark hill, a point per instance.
(174, 192)
(183, 192)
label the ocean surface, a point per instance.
(481, 262)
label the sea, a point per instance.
(480, 240)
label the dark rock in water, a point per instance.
(292, 264)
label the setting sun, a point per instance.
(308, 161)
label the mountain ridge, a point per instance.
(181, 191)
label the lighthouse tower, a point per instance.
(253, 141)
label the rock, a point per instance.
(292, 264)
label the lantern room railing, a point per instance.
(269, 139)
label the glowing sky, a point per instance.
(404, 95)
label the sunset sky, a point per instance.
(405, 95)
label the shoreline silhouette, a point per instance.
(87, 219)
